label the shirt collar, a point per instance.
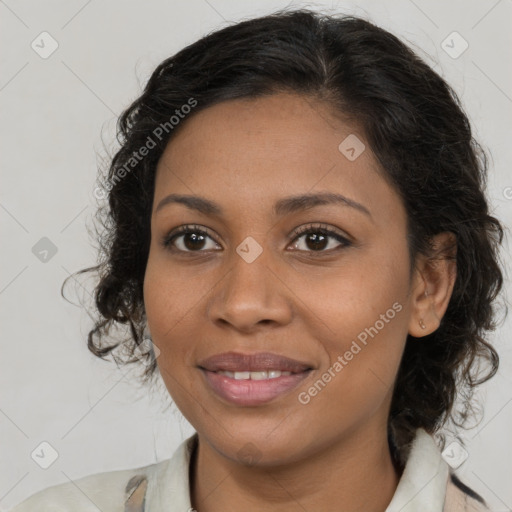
(422, 485)
(168, 489)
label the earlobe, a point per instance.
(435, 277)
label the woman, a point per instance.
(297, 217)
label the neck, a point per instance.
(356, 473)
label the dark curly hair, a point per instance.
(417, 129)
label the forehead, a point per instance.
(254, 151)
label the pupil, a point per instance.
(315, 238)
(195, 239)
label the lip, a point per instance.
(252, 392)
(261, 361)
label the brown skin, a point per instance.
(295, 299)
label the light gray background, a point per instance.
(54, 111)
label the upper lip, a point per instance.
(261, 361)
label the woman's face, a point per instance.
(341, 308)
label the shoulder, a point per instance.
(461, 497)
(100, 491)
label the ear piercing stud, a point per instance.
(422, 324)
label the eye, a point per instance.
(195, 239)
(317, 238)
(190, 239)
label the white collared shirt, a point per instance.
(426, 485)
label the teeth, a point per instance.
(259, 375)
(263, 375)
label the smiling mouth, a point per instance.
(243, 389)
(252, 379)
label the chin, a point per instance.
(255, 444)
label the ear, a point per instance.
(432, 284)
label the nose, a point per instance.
(250, 295)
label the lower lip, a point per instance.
(252, 392)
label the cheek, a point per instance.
(169, 304)
(363, 358)
(170, 295)
(174, 298)
(365, 308)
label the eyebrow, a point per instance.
(282, 207)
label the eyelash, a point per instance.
(310, 228)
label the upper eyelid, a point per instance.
(320, 226)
